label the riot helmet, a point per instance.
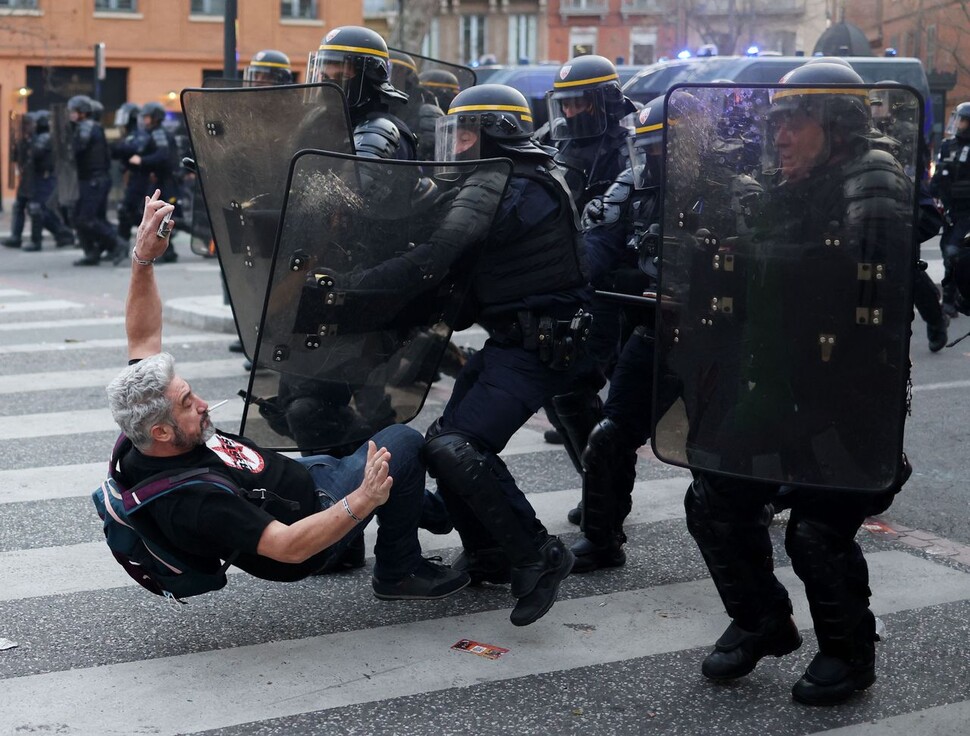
(484, 121)
(585, 99)
(42, 121)
(356, 59)
(645, 142)
(97, 109)
(808, 126)
(127, 117)
(267, 68)
(959, 124)
(892, 108)
(153, 113)
(442, 84)
(80, 104)
(404, 72)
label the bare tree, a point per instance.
(411, 25)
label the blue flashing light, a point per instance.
(753, 51)
(685, 54)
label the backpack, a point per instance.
(136, 542)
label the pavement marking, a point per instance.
(121, 342)
(941, 720)
(941, 386)
(60, 380)
(220, 688)
(54, 324)
(7, 293)
(89, 566)
(41, 305)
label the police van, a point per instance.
(654, 80)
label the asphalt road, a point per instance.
(618, 654)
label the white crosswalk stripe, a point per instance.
(198, 667)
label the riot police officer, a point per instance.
(357, 59)
(421, 111)
(268, 67)
(621, 234)
(93, 160)
(822, 139)
(585, 108)
(134, 143)
(528, 289)
(158, 162)
(951, 185)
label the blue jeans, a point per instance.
(397, 550)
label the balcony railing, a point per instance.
(584, 7)
(643, 7)
(750, 7)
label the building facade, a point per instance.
(153, 49)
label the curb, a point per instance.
(207, 313)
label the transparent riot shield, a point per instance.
(785, 297)
(243, 140)
(352, 333)
(465, 75)
(65, 166)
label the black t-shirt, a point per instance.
(204, 524)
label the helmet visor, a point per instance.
(645, 149)
(457, 138)
(340, 68)
(576, 114)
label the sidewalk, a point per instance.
(202, 313)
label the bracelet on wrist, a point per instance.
(350, 511)
(141, 261)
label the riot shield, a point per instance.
(785, 295)
(351, 333)
(243, 139)
(464, 74)
(65, 166)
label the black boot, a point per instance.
(590, 556)
(536, 586)
(738, 651)
(936, 334)
(10, 242)
(830, 680)
(575, 514)
(484, 565)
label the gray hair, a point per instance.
(137, 397)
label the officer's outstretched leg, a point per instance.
(610, 471)
(472, 481)
(828, 560)
(729, 521)
(926, 299)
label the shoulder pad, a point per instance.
(158, 135)
(608, 209)
(377, 138)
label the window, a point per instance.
(429, 46)
(522, 39)
(931, 47)
(472, 37)
(19, 4)
(298, 9)
(208, 7)
(124, 6)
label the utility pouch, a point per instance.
(561, 341)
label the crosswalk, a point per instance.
(618, 654)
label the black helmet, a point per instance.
(442, 84)
(646, 142)
(127, 116)
(42, 121)
(268, 67)
(585, 98)
(404, 72)
(155, 111)
(363, 61)
(842, 113)
(82, 104)
(960, 112)
(498, 116)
